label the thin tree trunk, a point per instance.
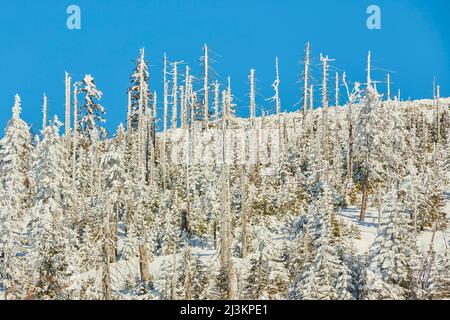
(144, 262)
(362, 216)
(107, 290)
(232, 283)
(379, 204)
(245, 208)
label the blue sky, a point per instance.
(36, 46)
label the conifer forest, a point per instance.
(347, 197)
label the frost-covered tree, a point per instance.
(53, 257)
(91, 112)
(391, 260)
(326, 276)
(15, 191)
(372, 145)
(139, 90)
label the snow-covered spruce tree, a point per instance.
(328, 267)
(53, 255)
(168, 280)
(267, 277)
(427, 275)
(115, 177)
(371, 146)
(15, 192)
(91, 112)
(439, 286)
(392, 255)
(326, 277)
(432, 208)
(139, 90)
(192, 276)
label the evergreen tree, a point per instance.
(91, 112)
(54, 253)
(15, 192)
(391, 259)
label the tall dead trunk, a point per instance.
(232, 283)
(365, 196)
(106, 278)
(305, 87)
(245, 209)
(379, 204)
(215, 234)
(144, 262)
(115, 238)
(188, 279)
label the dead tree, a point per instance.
(245, 201)
(254, 130)
(75, 134)
(225, 186)
(325, 133)
(276, 86)
(252, 97)
(175, 96)
(68, 85)
(350, 128)
(438, 115)
(311, 109)
(106, 276)
(164, 135)
(166, 94)
(216, 102)
(306, 81)
(206, 88)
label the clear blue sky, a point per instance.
(36, 46)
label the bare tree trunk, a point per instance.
(224, 239)
(144, 262)
(173, 284)
(175, 96)
(305, 88)
(205, 89)
(232, 283)
(379, 204)
(325, 133)
(67, 126)
(216, 102)
(128, 214)
(438, 115)
(188, 281)
(115, 238)
(252, 97)
(245, 208)
(215, 234)
(365, 195)
(106, 279)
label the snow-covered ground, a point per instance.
(368, 230)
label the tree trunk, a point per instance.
(128, 215)
(144, 263)
(379, 205)
(106, 279)
(215, 234)
(232, 283)
(362, 216)
(115, 238)
(106, 274)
